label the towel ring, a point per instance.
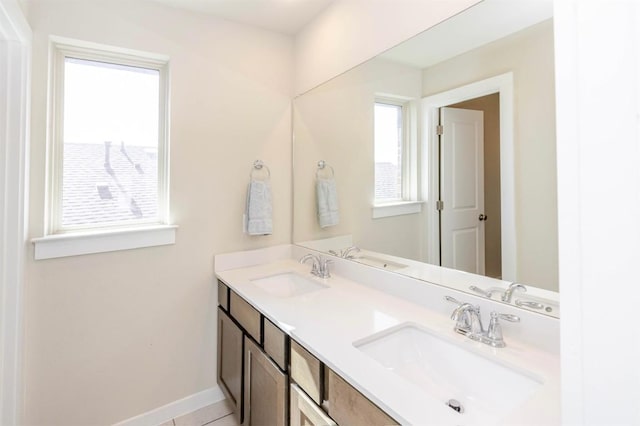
(259, 165)
(322, 165)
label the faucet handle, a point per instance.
(475, 308)
(507, 317)
(452, 300)
(494, 337)
(480, 291)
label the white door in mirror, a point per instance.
(462, 189)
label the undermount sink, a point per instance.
(287, 284)
(485, 388)
(379, 262)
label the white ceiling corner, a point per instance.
(283, 16)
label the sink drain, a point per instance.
(455, 405)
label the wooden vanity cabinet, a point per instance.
(275, 343)
(265, 389)
(252, 362)
(304, 412)
(347, 406)
(230, 341)
(319, 396)
(306, 371)
(246, 315)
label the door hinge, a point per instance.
(439, 205)
(439, 130)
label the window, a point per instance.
(389, 152)
(108, 150)
(395, 158)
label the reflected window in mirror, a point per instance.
(394, 180)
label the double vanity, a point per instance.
(356, 345)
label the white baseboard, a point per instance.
(176, 409)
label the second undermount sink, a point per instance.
(486, 388)
(287, 284)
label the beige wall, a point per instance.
(334, 122)
(110, 336)
(349, 32)
(529, 55)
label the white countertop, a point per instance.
(328, 321)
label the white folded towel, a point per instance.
(259, 210)
(327, 197)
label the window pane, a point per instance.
(110, 143)
(388, 152)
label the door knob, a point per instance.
(482, 217)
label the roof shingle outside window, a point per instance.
(107, 183)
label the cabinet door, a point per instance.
(304, 412)
(265, 389)
(230, 361)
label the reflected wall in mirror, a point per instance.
(335, 123)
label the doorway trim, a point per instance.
(15, 56)
(503, 85)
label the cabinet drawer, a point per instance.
(347, 406)
(304, 412)
(306, 371)
(223, 295)
(246, 315)
(275, 344)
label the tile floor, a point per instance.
(218, 414)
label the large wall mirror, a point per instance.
(441, 151)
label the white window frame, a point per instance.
(59, 241)
(409, 203)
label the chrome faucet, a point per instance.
(467, 318)
(320, 265)
(469, 323)
(506, 297)
(347, 252)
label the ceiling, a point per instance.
(282, 16)
(483, 23)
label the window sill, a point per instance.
(76, 244)
(396, 209)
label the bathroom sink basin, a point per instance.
(485, 388)
(379, 262)
(287, 284)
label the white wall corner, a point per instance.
(15, 55)
(13, 24)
